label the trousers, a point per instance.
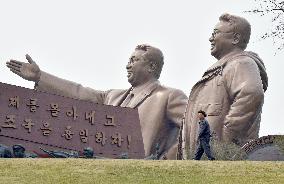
(203, 146)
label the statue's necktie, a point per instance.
(127, 100)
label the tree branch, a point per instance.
(278, 9)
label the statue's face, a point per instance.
(221, 40)
(138, 68)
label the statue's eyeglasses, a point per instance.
(134, 59)
(216, 32)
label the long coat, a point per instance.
(160, 109)
(231, 92)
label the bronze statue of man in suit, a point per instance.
(160, 108)
(231, 91)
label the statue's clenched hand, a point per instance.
(29, 71)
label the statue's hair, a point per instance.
(18, 147)
(240, 25)
(153, 55)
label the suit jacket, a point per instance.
(204, 129)
(160, 109)
(231, 92)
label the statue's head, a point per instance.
(5, 152)
(88, 152)
(18, 151)
(230, 32)
(145, 63)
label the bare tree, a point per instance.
(275, 9)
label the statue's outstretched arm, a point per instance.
(52, 84)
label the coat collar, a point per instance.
(216, 69)
(140, 96)
(123, 96)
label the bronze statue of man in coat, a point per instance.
(231, 91)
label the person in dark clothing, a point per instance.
(203, 138)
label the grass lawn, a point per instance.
(138, 171)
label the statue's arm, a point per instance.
(245, 89)
(49, 83)
(176, 106)
(175, 110)
(56, 85)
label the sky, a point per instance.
(90, 42)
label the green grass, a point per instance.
(138, 171)
(279, 141)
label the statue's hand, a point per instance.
(29, 71)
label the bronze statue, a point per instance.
(231, 91)
(88, 152)
(154, 156)
(160, 108)
(19, 151)
(5, 152)
(61, 154)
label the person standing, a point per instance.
(204, 135)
